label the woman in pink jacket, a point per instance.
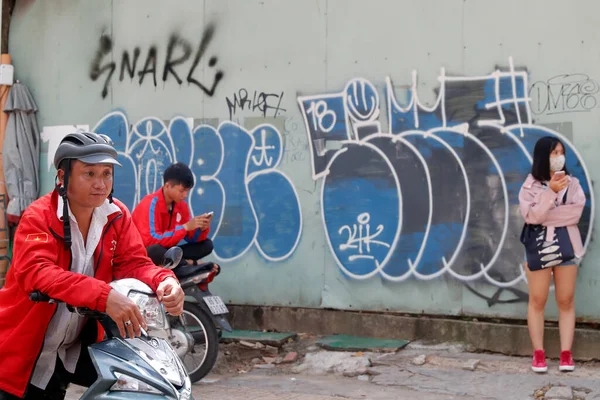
(542, 202)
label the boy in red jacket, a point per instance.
(163, 219)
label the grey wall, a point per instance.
(274, 111)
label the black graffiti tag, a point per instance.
(564, 94)
(259, 101)
(97, 70)
(178, 52)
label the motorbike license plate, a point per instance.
(216, 305)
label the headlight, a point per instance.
(159, 354)
(143, 296)
(126, 383)
(150, 308)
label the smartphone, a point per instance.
(559, 174)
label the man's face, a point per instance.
(177, 192)
(89, 184)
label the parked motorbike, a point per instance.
(134, 368)
(195, 334)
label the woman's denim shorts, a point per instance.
(574, 261)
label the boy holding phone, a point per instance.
(163, 219)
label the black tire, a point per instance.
(212, 347)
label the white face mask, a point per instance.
(557, 163)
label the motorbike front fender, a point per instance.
(223, 322)
(110, 356)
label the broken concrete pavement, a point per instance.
(446, 370)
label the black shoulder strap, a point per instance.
(564, 201)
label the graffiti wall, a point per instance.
(359, 164)
(436, 194)
(255, 205)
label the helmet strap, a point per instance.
(62, 191)
(110, 196)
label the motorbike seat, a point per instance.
(188, 271)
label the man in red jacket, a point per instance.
(69, 245)
(163, 219)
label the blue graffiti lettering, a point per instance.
(236, 177)
(438, 193)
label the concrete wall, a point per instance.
(357, 155)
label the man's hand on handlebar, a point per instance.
(125, 313)
(169, 292)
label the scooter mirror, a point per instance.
(172, 257)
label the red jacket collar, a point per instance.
(56, 224)
(162, 202)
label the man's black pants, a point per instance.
(85, 373)
(191, 251)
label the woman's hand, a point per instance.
(558, 182)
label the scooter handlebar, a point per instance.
(38, 296)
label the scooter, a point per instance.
(204, 317)
(134, 368)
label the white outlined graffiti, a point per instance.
(264, 158)
(248, 199)
(348, 151)
(359, 239)
(378, 264)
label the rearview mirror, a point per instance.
(172, 257)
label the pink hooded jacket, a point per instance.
(541, 206)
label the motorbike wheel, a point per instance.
(204, 331)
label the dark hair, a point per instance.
(540, 169)
(179, 174)
(65, 165)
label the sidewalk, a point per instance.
(416, 372)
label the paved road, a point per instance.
(442, 373)
(262, 385)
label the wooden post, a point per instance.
(7, 9)
(4, 229)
